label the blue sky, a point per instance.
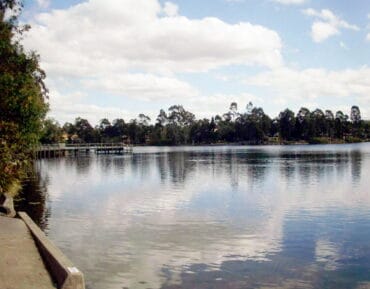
(119, 58)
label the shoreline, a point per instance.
(283, 143)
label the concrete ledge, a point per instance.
(65, 274)
(7, 206)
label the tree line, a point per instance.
(177, 126)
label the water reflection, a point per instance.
(213, 217)
(32, 199)
(356, 159)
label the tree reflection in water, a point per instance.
(210, 217)
(33, 198)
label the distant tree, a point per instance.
(144, 119)
(329, 117)
(162, 118)
(201, 131)
(178, 115)
(357, 123)
(339, 115)
(318, 123)
(355, 114)
(249, 107)
(339, 127)
(70, 130)
(104, 130)
(84, 130)
(119, 129)
(104, 124)
(302, 129)
(252, 126)
(179, 126)
(51, 132)
(227, 116)
(233, 111)
(286, 124)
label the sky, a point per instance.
(119, 58)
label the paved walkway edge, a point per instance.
(66, 275)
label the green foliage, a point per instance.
(84, 130)
(51, 132)
(319, 140)
(22, 101)
(286, 124)
(178, 126)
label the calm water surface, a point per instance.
(211, 217)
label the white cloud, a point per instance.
(323, 30)
(142, 86)
(171, 9)
(294, 86)
(66, 107)
(327, 25)
(132, 34)
(133, 49)
(290, 2)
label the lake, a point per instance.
(210, 217)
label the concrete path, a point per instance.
(21, 266)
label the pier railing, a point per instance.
(61, 149)
(83, 145)
(97, 145)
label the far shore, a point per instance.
(323, 141)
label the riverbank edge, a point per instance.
(266, 143)
(63, 271)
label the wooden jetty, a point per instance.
(58, 150)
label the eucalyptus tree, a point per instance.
(84, 130)
(144, 120)
(144, 128)
(180, 120)
(119, 129)
(286, 124)
(303, 124)
(340, 119)
(329, 117)
(318, 123)
(180, 116)
(104, 130)
(252, 126)
(357, 128)
(233, 110)
(162, 118)
(355, 114)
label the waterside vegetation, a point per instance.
(22, 101)
(178, 126)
